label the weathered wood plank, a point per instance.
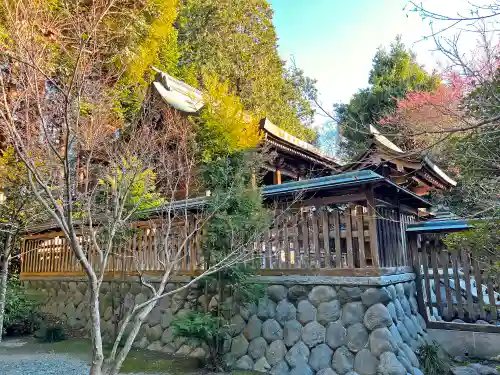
(275, 253)
(268, 249)
(479, 288)
(192, 244)
(28, 255)
(338, 248)
(151, 249)
(372, 225)
(341, 199)
(155, 264)
(425, 263)
(386, 233)
(70, 260)
(361, 236)
(296, 250)
(456, 279)
(348, 229)
(446, 279)
(491, 298)
(305, 241)
(326, 238)
(467, 271)
(418, 276)
(315, 235)
(484, 328)
(435, 272)
(286, 240)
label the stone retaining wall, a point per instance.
(296, 329)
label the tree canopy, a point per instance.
(394, 73)
(235, 40)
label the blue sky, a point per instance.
(334, 41)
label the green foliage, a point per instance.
(484, 240)
(135, 184)
(394, 73)
(238, 279)
(53, 333)
(235, 40)
(85, 108)
(198, 326)
(433, 360)
(152, 42)
(223, 128)
(19, 200)
(238, 216)
(475, 155)
(398, 69)
(21, 310)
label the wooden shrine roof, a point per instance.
(415, 171)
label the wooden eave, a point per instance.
(291, 145)
(416, 168)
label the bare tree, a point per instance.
(94, 170)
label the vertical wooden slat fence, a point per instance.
(453, 284)
(308, 238)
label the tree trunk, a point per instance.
(4, 272)
(97, 353)
(116, 363)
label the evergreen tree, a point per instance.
(235, 40)
(394, 73)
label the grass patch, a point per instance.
(434, 360)
(79, 347)
(149, 361)
(138, 361)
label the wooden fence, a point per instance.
(453, 284)
(50, 254)
(324, 238)
(391, 234)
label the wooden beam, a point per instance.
(318, 202)
(361, 236)
(372, 226)
(464, 327)
(277, 177)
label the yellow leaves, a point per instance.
(4, 38)
(11, 171)
(225, 127)
(160, 35)
(134, 183)
(86, 108)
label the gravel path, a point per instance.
(24, 356)
(17, 357)
(41, 364)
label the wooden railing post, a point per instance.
(415, 257)
(372, 225)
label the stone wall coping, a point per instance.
(337, 280)
(305, 280)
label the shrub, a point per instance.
(21, 310)
(196, 325)
(53, 333)
(202, 327)
(433, 360)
